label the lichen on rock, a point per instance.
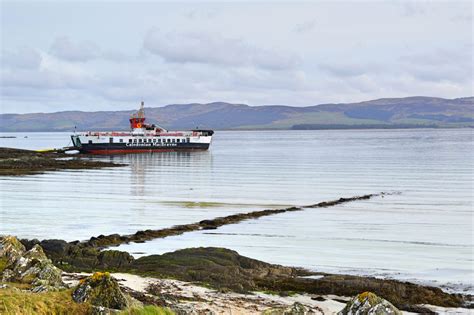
(11, 249)
(30, 267)
(295, 309)
(100, 290)
(367, 303)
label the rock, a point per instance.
(8, 275)
(100, 290)
(368, 303)
(55, 247)
(11, 249)
(219, 267)
(295, 309)
(186, 309)
(113, 259)
(31, 267)
(29, 243)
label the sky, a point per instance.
(110, 55)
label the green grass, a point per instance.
(416, 121)
(325, 118)
(420, 121)
(148, 310)
(3, 263)
(15, 302)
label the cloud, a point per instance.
(194, 47)
(65, 49)
(201, 14)
(53, 74)
(256, 54)
(305, 27)
(345, 69)
(23, 58)
(440, 65)
(463, 18)
(413, 9)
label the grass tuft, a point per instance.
(148, 310)
(3, 264)
(16, 302)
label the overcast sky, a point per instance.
(110, 55)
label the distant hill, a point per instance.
(409, 112)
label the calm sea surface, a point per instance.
(424, 233)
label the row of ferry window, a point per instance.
(158, 140)
(111, 140)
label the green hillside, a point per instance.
(409, 112)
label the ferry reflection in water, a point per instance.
(150, 172)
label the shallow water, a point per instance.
(424, 233)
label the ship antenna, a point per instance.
(141, 112)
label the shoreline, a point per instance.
(297, 127)
(448, 286)
(225, 270)
(217, 281)
(202, 298)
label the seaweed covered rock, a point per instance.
(100, 290)
(74, 256)
(114, 259)
(219, 267)
(368, 303)
(30, 267)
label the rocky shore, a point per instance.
(25, 162)
(199, 281)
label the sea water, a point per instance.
(423, 232)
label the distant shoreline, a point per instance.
(294, 128)
(385, 113)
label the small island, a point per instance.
(14, 162)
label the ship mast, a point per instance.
(137, 120)
(141, 111)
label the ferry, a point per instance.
(141, 138)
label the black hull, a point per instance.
(122, 148)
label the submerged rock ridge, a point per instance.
(29, 267)
(367, 303)
(103, 241)
(89, 254)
